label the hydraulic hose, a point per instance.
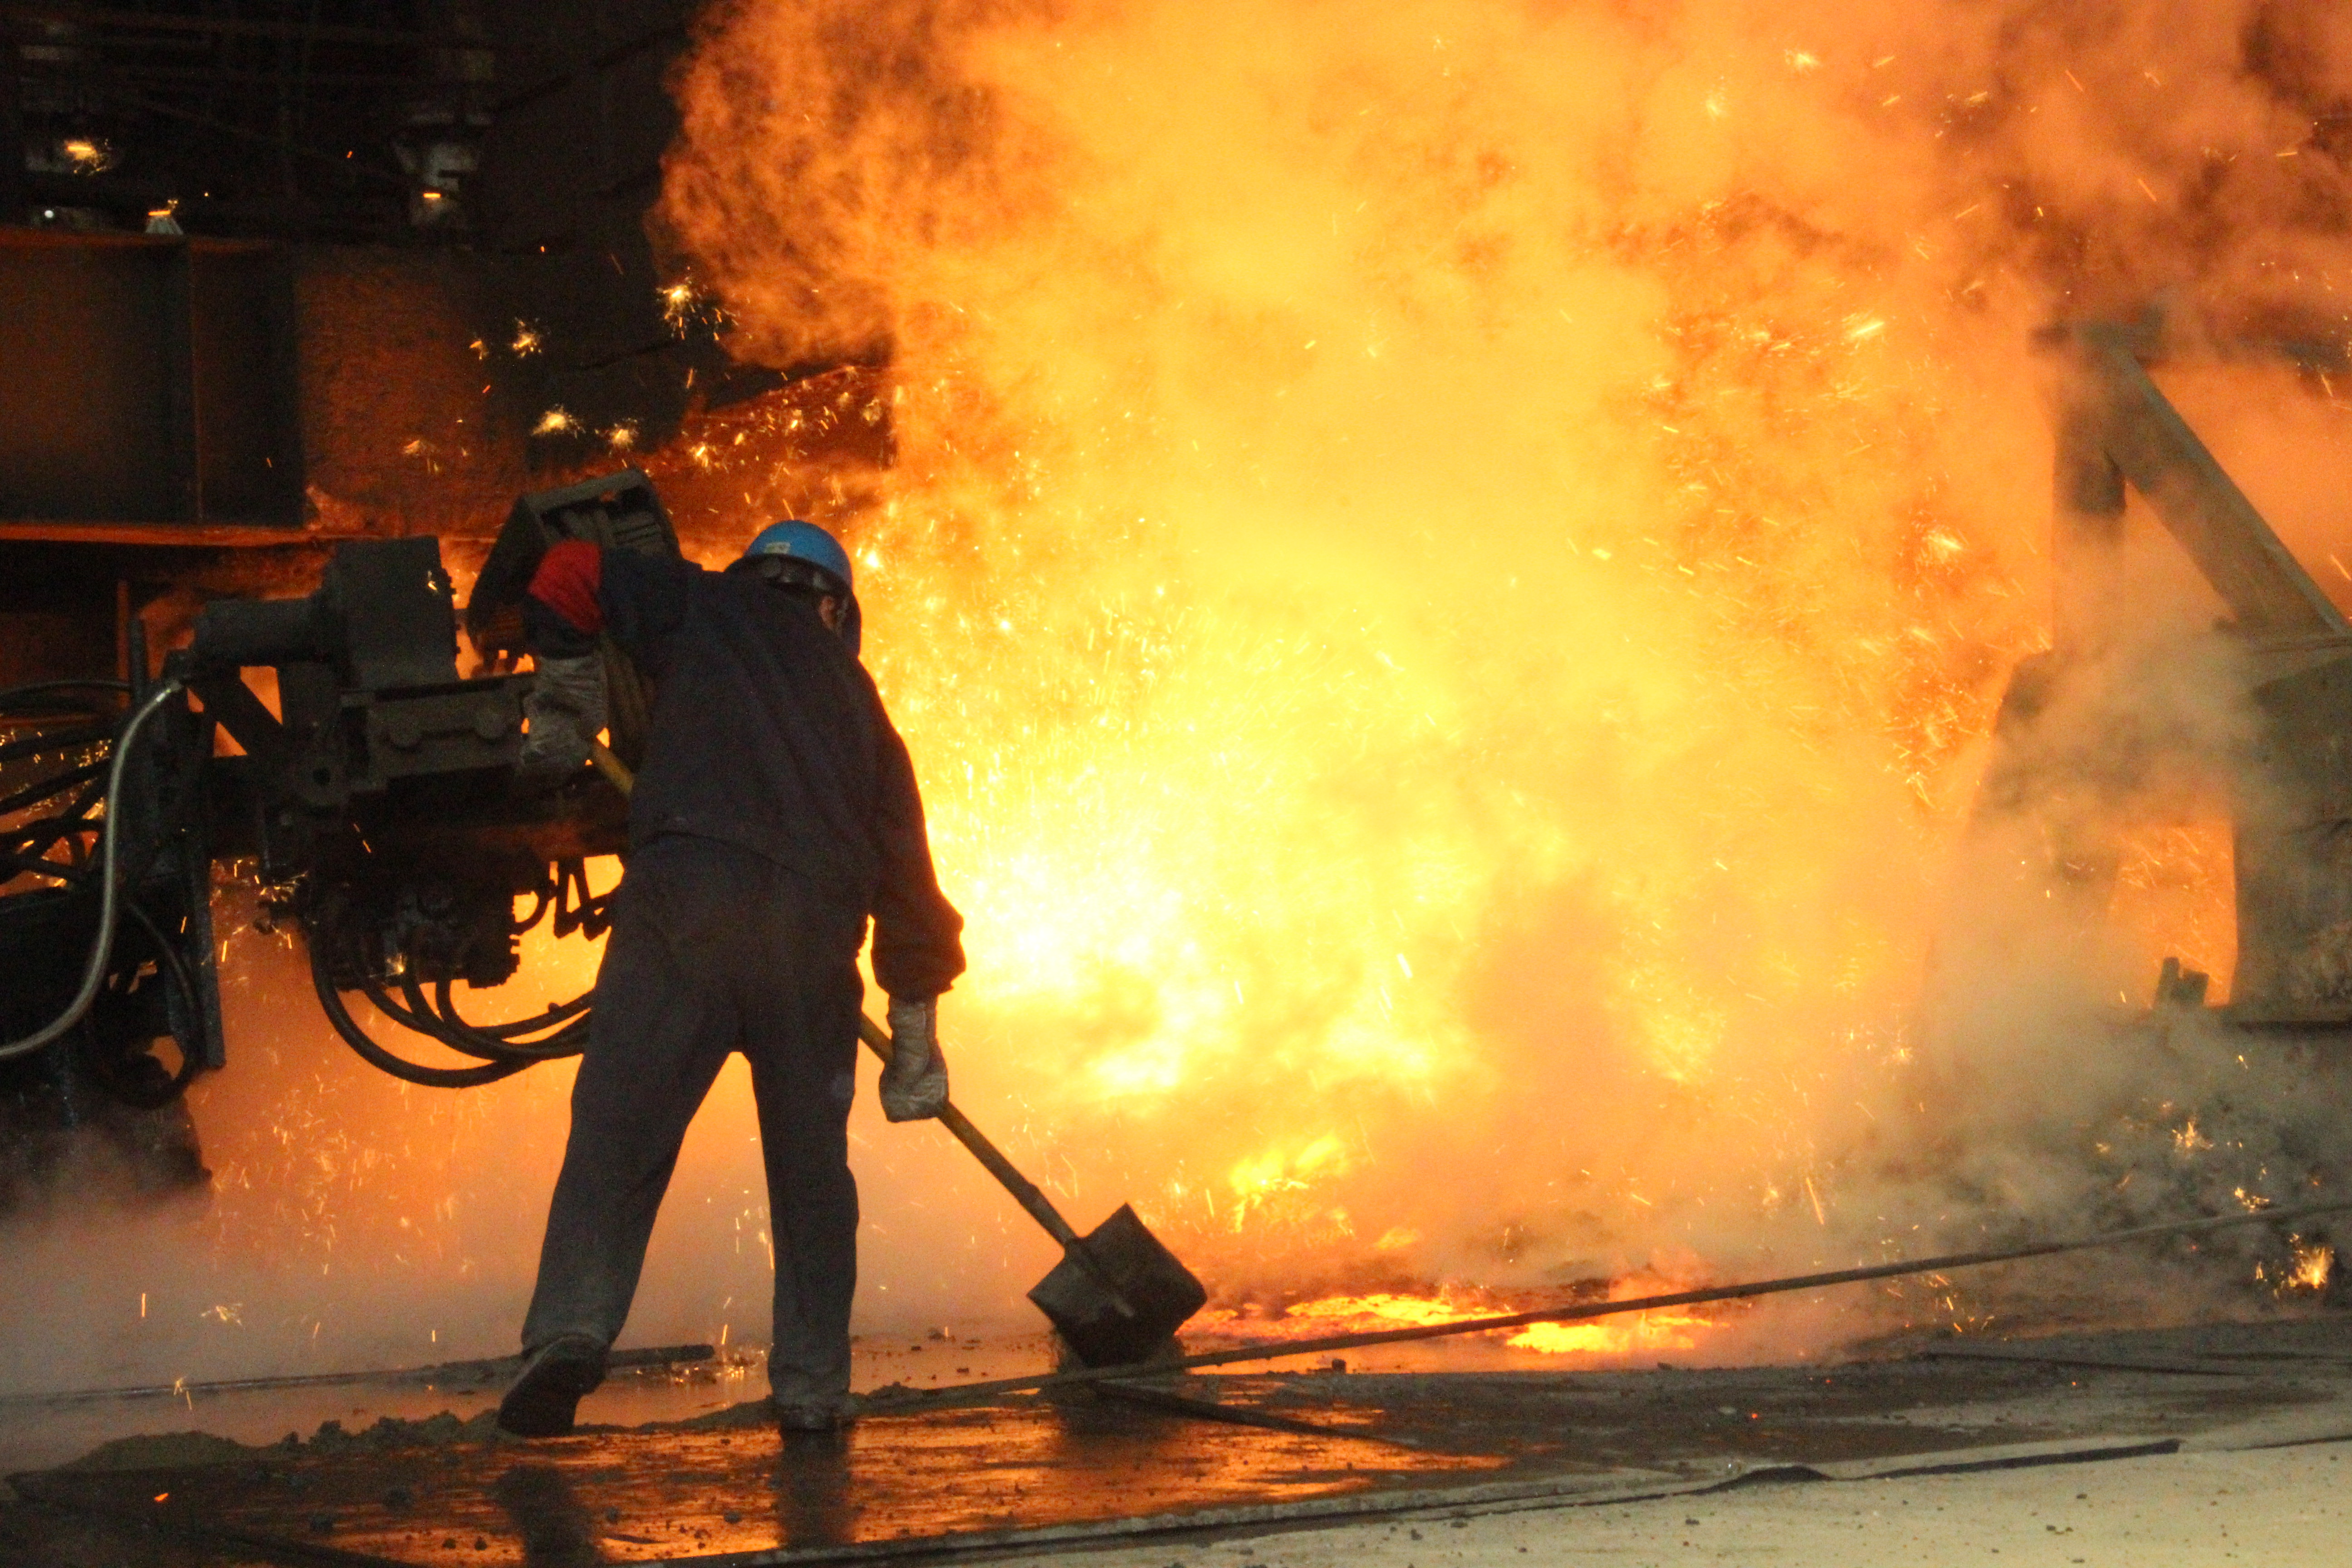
(565, 1041)
(417, 1018)
(155, 1097)
(438, 1019)
(102, 947)
(330, 1001)
(57, 784)
(16, 694)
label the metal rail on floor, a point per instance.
(932, 1398)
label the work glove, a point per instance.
(566, 710)
(914, 1082)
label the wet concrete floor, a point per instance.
(1027, 1472)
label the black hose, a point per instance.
(109, 885)
(538, 913)
(330, 1001)
(18, 865)
(191, 1060)
(42, 699)
(454, 1032)
(36, 836)
(89, 734)
(564, 1013)
(438, 1020)
(417, 1018)
(55, 783)
(40, 688)
(62, 823)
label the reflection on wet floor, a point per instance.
(444, 1493)
(34, 1435)
(620, 1497)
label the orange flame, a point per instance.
(1635, 1334)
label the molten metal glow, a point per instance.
(1447, 570)
(1447, 576)
(1633, 1334)
(1641, 1334)
(2315, 1262)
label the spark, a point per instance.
(681, 302)
(2314, 1263)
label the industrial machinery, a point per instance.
(2285, 654)
(377, 805)
(379, 808)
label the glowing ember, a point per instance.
(1637, 1335)
(1633, 1334)
(1447, 571)
(685, 306)
(1332, 1312)
(2314, 1263)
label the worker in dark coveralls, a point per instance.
(775, 813)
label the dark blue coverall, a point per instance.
(775, 813)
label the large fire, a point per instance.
(1442, 571)
(1636, 1334)
(1447, 568)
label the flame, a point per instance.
(1444, 680)
(1447, 571)
(1640, 1334)
(1633, 1334)
(86, 155)
(1340, 1314)
(2314, 1265)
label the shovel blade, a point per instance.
(1162, 1291)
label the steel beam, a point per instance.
(2122, 429)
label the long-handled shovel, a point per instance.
(1119, 1294)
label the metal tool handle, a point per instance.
(1025, 1192)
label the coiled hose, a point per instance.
(500, 1046)
(109, 886)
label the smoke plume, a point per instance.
(1449, 571)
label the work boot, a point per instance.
(543, 1399)
(812, 1415)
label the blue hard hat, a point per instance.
(803, 542)
(806, 542)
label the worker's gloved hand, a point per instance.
(565, 710)
(915, 1084)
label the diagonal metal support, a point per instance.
(2123, 429)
